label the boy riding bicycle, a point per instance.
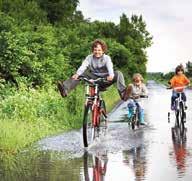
(178, 83)
(98, 65)
(135, 90)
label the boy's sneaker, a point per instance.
(143, 124)
(62, 89)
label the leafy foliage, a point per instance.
(37, 53)
(58, 10)
(189, 68)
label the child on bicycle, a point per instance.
(178, 83)
(135, 90)
(95, 65)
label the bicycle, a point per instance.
(179, 109)
(134, 119)
(94, 110)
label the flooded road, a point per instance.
(149, 153)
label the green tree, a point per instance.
(189, 68)
(134, 36)
(59, 10)
(30, 54)
(23, 10)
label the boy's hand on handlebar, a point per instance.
(136, 96)
(139, 96)
(110, 78)
(75, 76)
(91, 80)
(143, 96)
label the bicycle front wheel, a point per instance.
(182, 117)
(89, 131)
(133, 121)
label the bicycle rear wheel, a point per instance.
(103, 115)
(138, 123)
(177, 115)
(137, 118)
(89, 130)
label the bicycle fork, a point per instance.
(95, 115)
(95, 108)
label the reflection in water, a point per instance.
(179, 147)
(95, 167)
(41, 166)
(136, 159)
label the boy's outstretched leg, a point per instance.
(66, 86)
(62, 89)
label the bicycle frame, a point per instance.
(135, 115)
(93, 98)
(135, 108)
(179, 110)
(178, 101)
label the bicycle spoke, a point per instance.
(88, 129)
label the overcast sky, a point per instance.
(169, 21)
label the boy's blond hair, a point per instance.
(136, 75)
(129, 87)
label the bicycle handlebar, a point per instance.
(138, 96)
(143, 96)
(92, 81)
(177, 88)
